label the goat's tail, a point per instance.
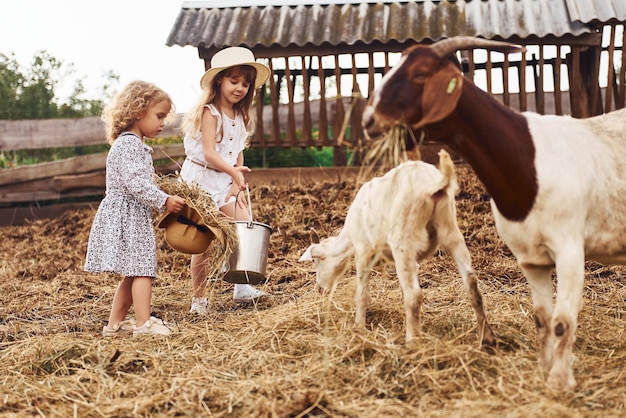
(446, 167)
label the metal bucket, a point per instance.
(248, 261)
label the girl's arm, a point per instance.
(130, 161)
(234, 189)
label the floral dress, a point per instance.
(122, 238)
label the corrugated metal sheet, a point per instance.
(217, 23)
(597, 10)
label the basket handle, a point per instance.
(249, 204)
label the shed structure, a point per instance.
(327, 56)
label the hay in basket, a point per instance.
(201, 201)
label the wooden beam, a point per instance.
(59, 133)
(77, 165)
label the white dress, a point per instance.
(233, 141)
(122, 238)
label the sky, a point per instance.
(126, 37)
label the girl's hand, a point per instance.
(238, 178)
(174, 204)
(241, 197)
(241, 201)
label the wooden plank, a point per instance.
(370, 74)
(65, 187)
(259, 132)
(539, 90)
(275, 131)
(307, 125)
(505, 81)
(81, 181)
(291, 117)
(489, 65)
(323, 118)
(339, 109)
(610, 73)
(58, 133)
(82, 164)
(622, 73)
(558, 106)
(9, 199)
(523, 105)
(77, 165)
(50, 133)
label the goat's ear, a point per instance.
(306, 256)
(440, 96)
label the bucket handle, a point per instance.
(249, 206)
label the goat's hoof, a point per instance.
(562, 382)
(488, 347)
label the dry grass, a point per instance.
(225, 241)
(296, 355)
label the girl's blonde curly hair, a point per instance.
(129, 105)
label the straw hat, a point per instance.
(231, 57)
(186, 231)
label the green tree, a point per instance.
(11, 80)
(32, 93)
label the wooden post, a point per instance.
(291, 113)
(489, 67)
(558, 105)
(622, 74)
(506, 98)
(307, 126)
(540, 102)
(523, 104)
(610, 80)
(274, 87)
(323, 117)
(339, 154)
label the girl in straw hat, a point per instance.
(122, 238)
(216, 133)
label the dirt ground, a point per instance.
(296, 354)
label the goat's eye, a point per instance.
(419, 77)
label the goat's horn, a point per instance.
(450, 45)
(315, 239)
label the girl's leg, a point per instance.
(142, 296)
(199, 269)
(122, 301)
(243, 214)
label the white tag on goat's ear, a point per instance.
(306, 256)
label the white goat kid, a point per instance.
(405, 216)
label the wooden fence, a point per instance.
(47, 189)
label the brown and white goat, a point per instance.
(558, 184)
(403, 216)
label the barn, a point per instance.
(327, 55)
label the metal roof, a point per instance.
(213, 24)
(597, 10)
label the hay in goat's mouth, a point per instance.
(200, 200)
(389, 150)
